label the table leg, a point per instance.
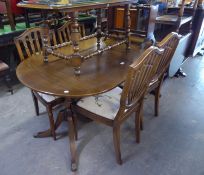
(127, 25)
(72, 135)
(99, 27)
(75, 37)
(45, 33)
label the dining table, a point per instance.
(99, 74)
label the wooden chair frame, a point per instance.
(169, 44)
(64, 32)
(181, 19)
(29, 43)
(138, 77)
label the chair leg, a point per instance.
(138, 122)
(35, 100)
(137, 126)
(8, 83)
(1, 22)
(157, 96)
(156, 101)
(52, 123)
(27, 19)
(116, 141)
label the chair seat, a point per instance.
(47, 98)
(3, 66)
(169, 19)
(105, 105)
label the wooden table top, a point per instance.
(98, 74)
(71, 5)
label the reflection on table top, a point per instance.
(98, 74)
(69, 5)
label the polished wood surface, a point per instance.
(75, 6)
(98, 74)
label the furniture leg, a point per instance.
(52, 123)
(138, 122)
(48, 133)
(116, 141)
(8, 83)
(35, 101)
(156, 101)
(45, 32)
(1, 22)
(71, 136)
(27, 19)
(99, 27)
(75, 37)
(127, 25)
(10, 15)
(75, 124)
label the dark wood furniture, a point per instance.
(169, 44)
(57, 78)
(179, 19)
(5, 73)
(64, 33)
(197, 39)
(30, 44)
(9, 14)
(112, 108)
(9, 7)
(76, 59)
(142, 21)
(76, 72)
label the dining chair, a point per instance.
(64, 32)
(30, 43)
(112, 108)
(179, 19)
(169, 44)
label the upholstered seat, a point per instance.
(105, 105)
(3, 66)
(47, 98)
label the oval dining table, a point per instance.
(99, 74)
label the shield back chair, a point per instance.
(169, 44)
(115, 106)
(64, 32)
(30, 43)
(179, 19)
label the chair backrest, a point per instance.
(30, 42)
(64, 32)
(138, 78)
(169, 44)
(182, 7)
